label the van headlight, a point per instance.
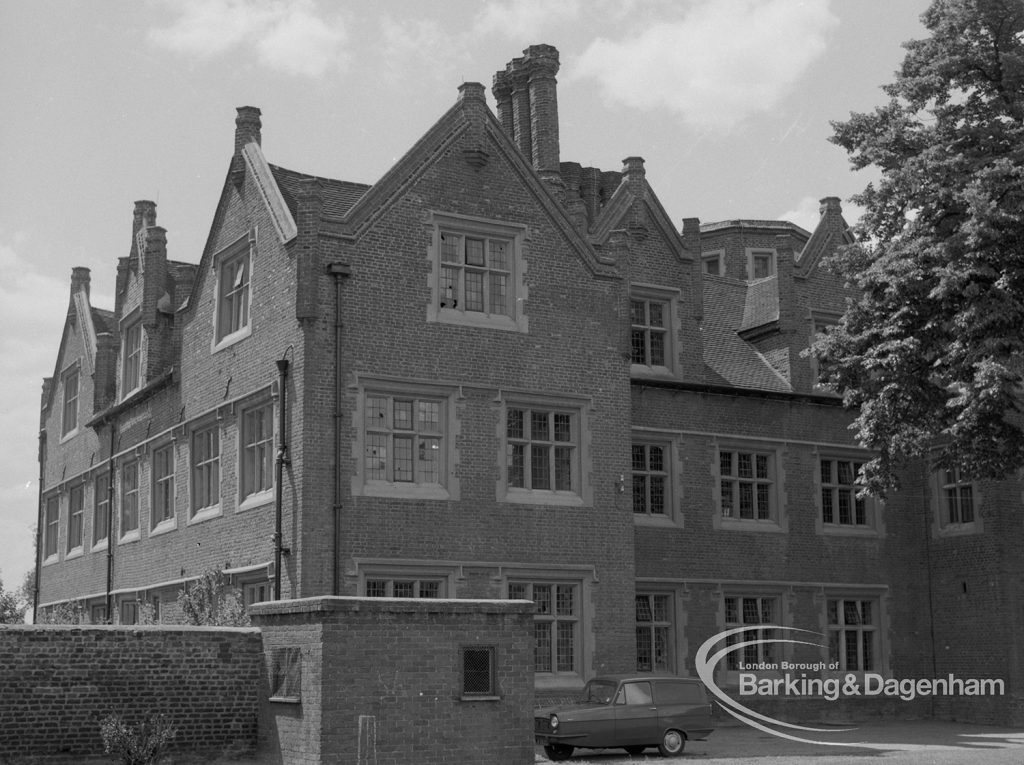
(554, 722)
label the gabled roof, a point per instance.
(728, 358)
(338, 196)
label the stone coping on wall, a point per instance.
(341, 604)
(163, 628)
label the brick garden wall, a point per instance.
(380, 681)
(59, 682)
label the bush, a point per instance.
(210, 601)
(140, 744)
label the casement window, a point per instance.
(101, 509)
(255, 592)
(556, 624)
(129, 612)
(821, 322)
(205, 469)
(257, 462)
(76, 515)
(477, 272)
(163, 485)
(131, 359)
(541, 449)
(654, 638)
(233, 295)
(956, 498)
(130, 500)
(478, 671)
(652, 311)
(98, 615)
(51, 527)
(760, 263)
(648, 332)
(852, 626)
(746, 482)
(69, 417)
(651, 479)
(404, 588)
(750, 611)
(840, 504)
(713, 263)
(404, 439)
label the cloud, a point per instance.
(525, 19)
(406, 40)
(32, 311)
(721, 62)
(290, 37)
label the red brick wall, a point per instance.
(60, 682)
(397, 665)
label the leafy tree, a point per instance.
(210, 601)
(931, 354)
(12, 607)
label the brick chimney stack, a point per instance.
(527, 99)
(80, 278)
(247, 127)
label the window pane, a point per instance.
(566, 646)
(474, 252)
(563, 427)
(516, 465)
(515, 423)
(403, 458)
(563, 468)
(474, 290)
(539, 426)
(657, 349)
(540, 466)
(499, 255)
(403, 415)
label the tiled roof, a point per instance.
(103, 320)
(728, 359)
(339, 196)
(779, 225)
(761, 305)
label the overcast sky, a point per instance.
(104, 103)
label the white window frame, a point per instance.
(873, 508)
(712, 256)
(256, 456)
(132, 358)
(580, 491)
(101, 499)
(392, 390)
(131, 492)
(226, 290)
(163, 489)
(51, 529)
(668, 298)
(440, 307)
(777, 520)
(70, 401)
(939, 483)
(76, 520)
(205, 475)
(758, 253)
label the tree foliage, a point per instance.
(931, 354)
(210, 601)
(12, 607)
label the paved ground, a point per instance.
(892, 743)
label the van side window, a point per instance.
(635, 693)
(678, 693)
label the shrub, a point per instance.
(210, 601)
(140, 744)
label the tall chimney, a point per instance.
(542, 66)
(247, 127)
(80, 278)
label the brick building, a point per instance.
(497, 374)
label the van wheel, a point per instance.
(558, 752)
(672, 743)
